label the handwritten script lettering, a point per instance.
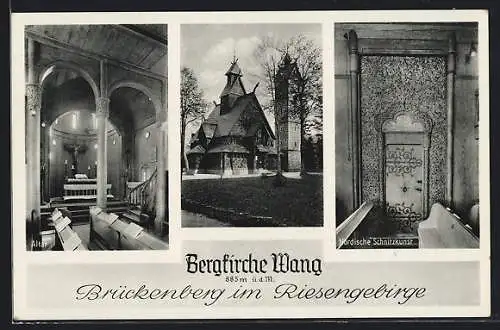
(94, 292)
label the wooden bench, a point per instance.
(349, 225)
(445, 229)
(67, 239)
(114, 233)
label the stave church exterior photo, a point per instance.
(96, 116)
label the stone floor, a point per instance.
(193, 220)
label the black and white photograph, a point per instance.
(237, 171)
(96, 110)
(250, 165)
(407, 135)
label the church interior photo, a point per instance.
(96, 132)
(407, 135)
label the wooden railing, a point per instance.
(83, 191)
(144, 195)
(347, 228)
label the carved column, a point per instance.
(425, 188)
(161, 184)
(355, 115)
(102, 113)
(33, 107)
(450, 117)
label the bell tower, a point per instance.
(288, 114)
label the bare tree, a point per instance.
(268, 55)
(193, 106)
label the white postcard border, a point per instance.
(22, 258)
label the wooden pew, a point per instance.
(349, 225)
(473, 220)
(67, 239)
(114, 233)
(444, 229)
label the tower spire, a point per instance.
(234, 87)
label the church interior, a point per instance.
(406, 132)
(96, 110)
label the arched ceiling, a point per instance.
(129, 108)
(127, 100)
(60, 95)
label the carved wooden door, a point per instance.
(404, 168)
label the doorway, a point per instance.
(405, 172)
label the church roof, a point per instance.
(212, 117)
(196, 150)
(235, 87)
(224, 123)
(234, 84)
(227, 120)
(209, 129)
(234, 69)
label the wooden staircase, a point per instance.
(135, 214)
(142, 202)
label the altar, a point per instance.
(82, 187)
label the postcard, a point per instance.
(262, 165)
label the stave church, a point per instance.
(96, 113)
(407, 135)
(236, 137)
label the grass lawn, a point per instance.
(298, 203)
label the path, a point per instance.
(192, 220)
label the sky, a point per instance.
(208, 49)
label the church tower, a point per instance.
(288, 114)
(234, 88)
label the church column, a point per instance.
(161, 184)
(355, 115)
(450, 118)
(33, 107)
(102, 113)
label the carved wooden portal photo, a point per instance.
(406, 135)
(251, 125)
(96, 110)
